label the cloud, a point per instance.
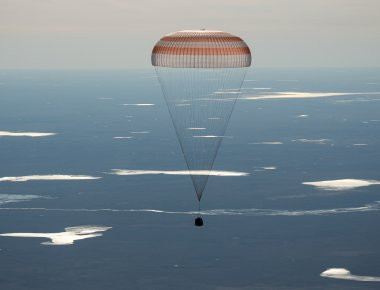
(370, 121)
(140, 132)
(264, 168)
(288, 196)
(211, 136)
(272, 212)
(357, 100)
(67, 237)
(268, 143)
(316, 141)
(302, 116)
(342, 273)
(269, 167)
(24, 134)
(226, 92)
(375, 206)
(47, 177)
(302, 95)
(256, 88)
(232, 99)
(178, 172)
(342, 184)
(139, 105)
(9, 198)
(123, 137)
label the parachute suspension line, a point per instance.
(171, 92)
(201, 74)
(200, 103)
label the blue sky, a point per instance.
(121, 33)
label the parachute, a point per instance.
(200, 73)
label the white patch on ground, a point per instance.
(182, 105)
(268, 143)
(67, 237)
(47, 177)
(213, 118)
(360, 144)
(342, 184)
(178, 172)
(104, 98)
(24, 134)
(196, 128)
(315, 141)
(302, 95)
(140, 132)
(139, 105)
(302, 116)
(123, 137)
(342, 273)
(9, 198)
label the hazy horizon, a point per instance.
(118, 34)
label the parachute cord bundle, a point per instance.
(198, 222)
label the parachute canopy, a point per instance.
(201, 49)
(201, 73)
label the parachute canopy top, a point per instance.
(201, 49)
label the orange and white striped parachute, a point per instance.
(201, 73)
(201, 49)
